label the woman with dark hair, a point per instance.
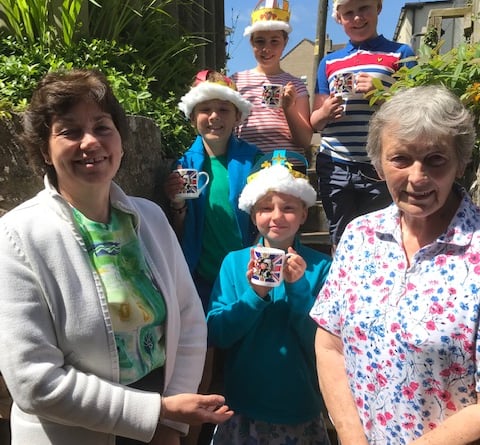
(103, 334)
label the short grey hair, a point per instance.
(430, 111)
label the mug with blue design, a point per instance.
(344, 83)
(192, 183)
(272, 95)
(268, 264)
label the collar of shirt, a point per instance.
(367, 45)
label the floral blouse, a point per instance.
(410, 334)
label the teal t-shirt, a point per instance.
(135, 302)
(221, 233)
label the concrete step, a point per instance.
(316, 219)
(312, 178)
(317, 240)
(314, 232)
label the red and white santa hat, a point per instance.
(222, 88)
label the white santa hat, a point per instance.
(268, 16)
(274, 173)
(204, 90)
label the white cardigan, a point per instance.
(57, 348)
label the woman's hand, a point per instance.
(195, 409)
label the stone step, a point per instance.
(317, 240)
(313, 178)
(314, 232)
(316, 219)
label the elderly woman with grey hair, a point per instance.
(398, 334)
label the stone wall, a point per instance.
(142, 169)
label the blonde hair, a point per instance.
(337, 3)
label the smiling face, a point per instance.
(278, 216)
(215, 120)
(359, 19)
(420, 175)
(85, 148)
(268, 47)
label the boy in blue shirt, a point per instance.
(211, 225)
(348, 184)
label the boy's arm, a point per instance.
(326, 108)
(177, 207)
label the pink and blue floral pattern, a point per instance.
(410, 333)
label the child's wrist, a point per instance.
(177, 204)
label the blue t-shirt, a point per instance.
(345, 139)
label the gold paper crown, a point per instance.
(268, 16)
(275, 13)
(274, 172)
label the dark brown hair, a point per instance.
(56, 94)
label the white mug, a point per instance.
(272, 95)
(344, 83)
(268, 266)
(191, 178)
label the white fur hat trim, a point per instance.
(209, 91)
(267, 25)
(276, 178)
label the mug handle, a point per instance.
(207, 180)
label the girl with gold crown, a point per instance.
(286, 126)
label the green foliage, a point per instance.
(457, 69)
(167, 53)
(22, 65)
(136, 44)
(25, 18)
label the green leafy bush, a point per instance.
(23, 64)
(136, 44)
(457, 69)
